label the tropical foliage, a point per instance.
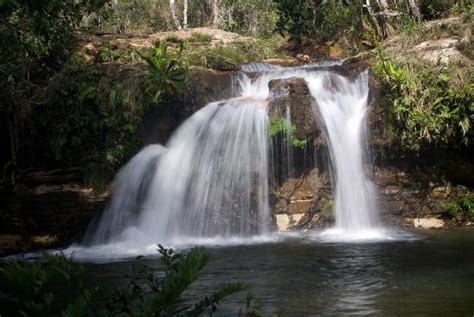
(432, 105)
(33, 289)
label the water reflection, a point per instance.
(356, 277)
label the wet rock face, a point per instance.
(293, 94)
(418, 196)
(203, 86)
(410, 186)
(304, 202)
(46, 215)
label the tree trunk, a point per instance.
(185, 15)
(375, 22)
(215, 14)
(173, 15)
(383, 17)
(414, 9)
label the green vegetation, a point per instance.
(463, 208)
(33, 289)
(431, 105)
(353, 24)
(321, 20)
(36, 40)
(167, 71)
(256, 18)
(198, 37)
(281, 126)
(128, 16)
(94, 121)
(231, 55)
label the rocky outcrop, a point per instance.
(203, 86)
(414, 189)
(300, 188)
(293, 94)
(422, 190)
(443, 41)
(42, 211)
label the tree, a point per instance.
(185, 14)
(35, 37)
(414, 9)
(215, 14)
(174, 18)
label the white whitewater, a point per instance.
(210, 185)
(342, 105)
(131, 184)
(212, 181)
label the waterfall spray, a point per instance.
(212, 179)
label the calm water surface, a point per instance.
(429, 276)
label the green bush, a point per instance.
(32, 288)
(280, 126)
(436, 9)
(166, 70)
(463, 207)
(256, 18)
(321, 20)
(430, 104)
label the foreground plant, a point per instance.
(32, 289)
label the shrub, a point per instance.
(321, 20)
(33, 287)
(280, 126)
(430, 104)
(463, 207)
(166, 70)
(256, 18)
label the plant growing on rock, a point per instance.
(280, 126)
(430, 104)
(463, 208)
(167, 70)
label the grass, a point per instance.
(198, 37)
(230, 55)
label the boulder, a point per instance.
(428, 223)
(293, 94)
(203, 86)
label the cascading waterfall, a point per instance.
(131, 184)
(342, 105)
(210, 182)
(212, 179)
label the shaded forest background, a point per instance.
(60, 109)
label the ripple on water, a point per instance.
(372, 235)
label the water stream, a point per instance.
(211, 181)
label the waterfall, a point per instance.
(210, 182)
(131, 185)
(212, 178)
(342, 106)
